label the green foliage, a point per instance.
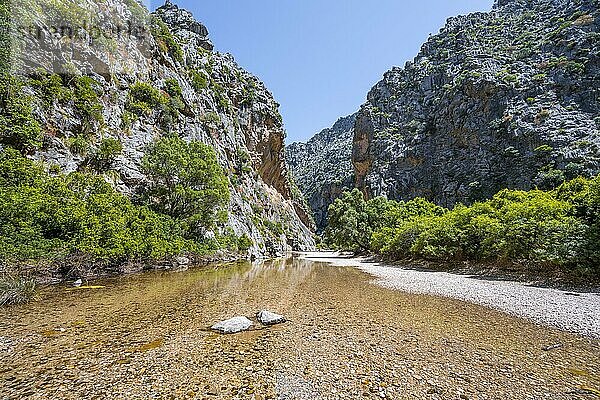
(77, 219)
(172, 88)
(174, 104)
(79, 145)
(352, 220)
(83, 91)
(143, 99)
(549, 178)
(108, 150)
(211, 117)
(186, 183)
(244, 243)
(6, 42)
(50, 88)
(16, 290)
(87, 102)
(556, 228)
(165, 40)
(233, 242)
(584, 194)
(221, 95)
(18, 127)
(199, 81)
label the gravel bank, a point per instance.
(572, 312)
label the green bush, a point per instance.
(87, 102)
(79, 145)
(352, 220)
(50, 88)
(558, 228)
(173, 106)
(83, 91)
(18, 127)
(143, 99)
(185, 182)
(244, 243)
(66, 218)
(549, 178)
(106, 154)
(199, 81)
(172, 88)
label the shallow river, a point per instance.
(145, 336)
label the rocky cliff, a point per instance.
(503, 99)
(508, 98)
(322, 167)
(130, 55)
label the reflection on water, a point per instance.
(147, 334)
(133, 309)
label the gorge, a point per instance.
(158, 236)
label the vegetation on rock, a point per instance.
(18, 127)
(186, 183)
(143, 99)
(79, 220)
(165, 40)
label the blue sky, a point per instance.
(321, 57)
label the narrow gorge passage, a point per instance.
(145, 336)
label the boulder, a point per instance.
(269, 318)
(182, 261)
(233, 325)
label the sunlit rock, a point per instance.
(233, 325)
(270, 318)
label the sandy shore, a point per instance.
(572, 312)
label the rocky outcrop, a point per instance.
(505, 99)
(508, 98)
(183, 24)
(322, 166)
(220, 104)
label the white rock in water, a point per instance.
(269, 318)
(233, 325)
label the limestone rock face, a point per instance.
(222, 105)
(322, 166)
(504, 99)
(508, 98)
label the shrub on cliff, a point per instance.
(165, 40)
(18, 127)
(106, 154)
(143, 99)
(185, 182)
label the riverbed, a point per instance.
(146, 336)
